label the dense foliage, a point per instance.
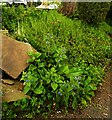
(110, 12)
(70, 61)
(94, 12)
(43, 29)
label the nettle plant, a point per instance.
(53, 84)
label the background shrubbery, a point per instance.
(43, 29)
(70, 61)
(93, 12)
(110, 11)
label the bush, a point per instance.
(93, 13)
(11, 17)
(54, 82)
(109, 15)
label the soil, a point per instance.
(101, 105)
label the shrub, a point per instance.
(109, 15)
(11, 17)
(93, 12)
(52, 81)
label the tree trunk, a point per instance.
(68, 8)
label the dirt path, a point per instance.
(101, 106)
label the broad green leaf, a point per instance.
(28, 84)
(33, 58)
(87, 88)
(40, 65)
(91, 93)
(74, 69)
(38, 60)
(38, 90)
(88, 98)
(74, 103)
(48, 81)
(26, 89)
(32, 67)
(66, 98)
(75, 74)
(76, 84)
(30, 77)
(93, 87)
(37, 54)
(100, 84)
(71, 78)
(60, 81)
(83, 101)
(87, 81)
(54, 86)
(53, 70)
(30, 53)
(30, 60)
(66, 69)
(69, 88)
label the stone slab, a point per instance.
(14, 56)
(13, 92)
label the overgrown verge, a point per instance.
(69, 64)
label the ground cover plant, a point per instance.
(69, 64)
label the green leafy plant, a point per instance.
(54, 82)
